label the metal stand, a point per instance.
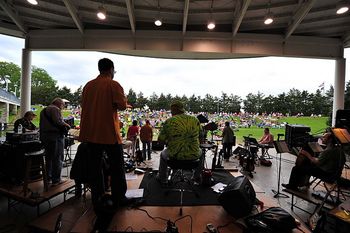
(278, 193)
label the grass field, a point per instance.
(37, 111)
(317, 126)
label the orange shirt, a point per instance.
(146, 133)
(101, 98)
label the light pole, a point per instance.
(15, 86)
(7, 81)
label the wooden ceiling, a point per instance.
(183, 18)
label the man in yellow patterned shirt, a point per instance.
(181, 134)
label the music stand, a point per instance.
(212, 126)
(281, 147)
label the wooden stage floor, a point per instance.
(36, 194)
(78, 216)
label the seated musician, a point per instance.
(26, 122)
(181, 134)
(326, 165)
(266, 140)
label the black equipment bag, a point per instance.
(272, 220)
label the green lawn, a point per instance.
(317, 125)
(37, 111)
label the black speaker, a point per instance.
(238, 197)
(342, 118)
(297, 135)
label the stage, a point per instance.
(136, 219)
(36, 195)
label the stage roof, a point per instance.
(301, 28)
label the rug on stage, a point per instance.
(156, 195)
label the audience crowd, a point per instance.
(237, 120)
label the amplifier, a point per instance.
(22, 137)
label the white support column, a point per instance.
(26, 80)
(339, 87)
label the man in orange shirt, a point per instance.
(100, 129)
(146, 135)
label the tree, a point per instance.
(194, 104)
(152, 102)
(65, 93)
(13, 73)
(233, 104)
(162, 102)
(268, 104)
(253, 103)
(40, 77)
(209, 104)
(43, 95)
(132, 98)
(76, 98)
(44, 88)
(141, 100)
(294, 101)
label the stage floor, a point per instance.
(264, 179)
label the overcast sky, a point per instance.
(269, 75)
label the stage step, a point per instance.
(72, 209)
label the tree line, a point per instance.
(44, 89)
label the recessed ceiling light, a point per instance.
(33, 2)
(101, 13)
(342, 7)
(211, 25)
(158, 22)
(268, 19)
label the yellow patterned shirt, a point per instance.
(181, 134)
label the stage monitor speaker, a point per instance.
(297, 135)
(342, 119)
(238, 197)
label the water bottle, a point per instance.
(19, 128)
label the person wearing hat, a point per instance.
(26, 122)
(181, 134)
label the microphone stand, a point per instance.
(278, 145)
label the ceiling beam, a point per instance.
(238, 18)
(347, 40)
(185, 17)
(298, 17)
(73, 12)
(171, 44)
(13, 16)
(131, 14)
(11, 30)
